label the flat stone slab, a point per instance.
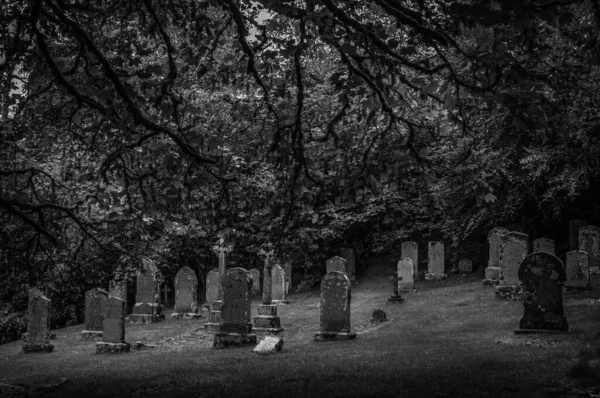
(334, 336)
(37, 347)
(268, 345)
(103, 347)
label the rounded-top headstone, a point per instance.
(406, 274)
(186, 291)
(277, 283)
(337, 263)
(212, 286)
(255, 274)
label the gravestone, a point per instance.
(494, 238)
(544, 245)
(186, 294)
(465, 266)
(255, 274)
(336, 296)
(542, 275)
(589, 242)
(410, 250)
(513, 249)
(277, 284)
(267, 322)
(287, 269)
(212, 286)
(406, 275)
(95, 300)
(435, 255)
(38, 318)
(235, 328)
(118, 289)
(347, 253)
(578, 274)
(574, 226)
(113, 328)
(147, 308)
(336, 264)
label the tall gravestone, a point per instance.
(336, 296)
(186, 294)
(513, 249)
(277, 284)
(95, 300)
(465, 266)
(406, 275)
(235, 328)
(255, 274)
(574, 226)
(212, 286)
(542, 275)
(544, 245)
(435, 256)
(113, 328)
(147, 308)
(337, 264)
(589, 242)
(494, 238)
(287, 269)
(347, 253)
(267, 322)
(410, 250)
(38, 320)
(222, 248)
(578, 274)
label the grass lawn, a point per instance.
(449, 339)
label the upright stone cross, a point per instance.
(221, 249)
(267, 322)
(267, 254)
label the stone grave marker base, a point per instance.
(434, 277)
(492, 273)
(103, 347)
(145, 318)
(280, 302)
(91, 334)
(224, 339)
(509, 292)
(37, 347)
(396, 299)
(334, 336)
(189, 315)
(267, 322)
(49, 336)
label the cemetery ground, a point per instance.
(451, 338)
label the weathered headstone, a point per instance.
(347, 253)
(589, 242)
(147, 308)
(287, 269)
(277, 284)
(544, 245)
(118, 289)
(465, 266)
(212, 286)
(578, 274)
(255, 274)
(337, 264)
(235, 326)
(494, 238)
(513, 249)
(406, 275)
(38, 318)
(113, 329)
(410, 250)
(435, 254)
(542, 275)
(186, 294)
(336, 296)
(267, 322)
(574, 226)
(95, 300)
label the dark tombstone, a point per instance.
(465, 266)
(147, 308)
(337, 263)
(379, 316)
(38, 318)
(589, 242)
(95, 300)
(436, 262)
(347, 253)
(255, 274)
(494, 238)
(336, 297)
(186, 294)
(542, 275)
(545, 245)
(574, 226)
(278, 284)
(113, 331)
(578, 274)
(235, 328)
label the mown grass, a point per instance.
(449, 339)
